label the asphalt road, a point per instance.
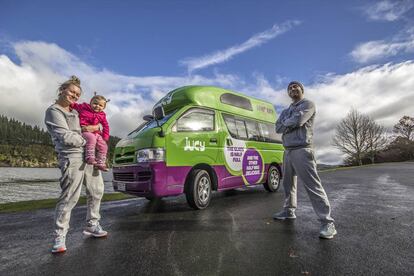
(373, 207)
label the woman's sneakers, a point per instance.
(95, 231)
(59, 245)
(328, 231)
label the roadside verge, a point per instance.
(31, 205)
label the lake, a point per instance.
(20, 184)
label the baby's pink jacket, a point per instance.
(87, 116)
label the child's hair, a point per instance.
(99, 98)
(74, 80)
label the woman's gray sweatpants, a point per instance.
(75, 173)
(301, 162)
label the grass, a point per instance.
(362, 166)
(31, 205)
(346, 168)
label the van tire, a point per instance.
(198, 190)
(273, 179)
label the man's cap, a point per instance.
(298, 83)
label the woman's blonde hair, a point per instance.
(74, 80)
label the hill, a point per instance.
(23, 145)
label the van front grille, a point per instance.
(125, 176)
(131, 177)
(144, 176)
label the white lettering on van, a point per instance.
(194, 145)
(234, 154)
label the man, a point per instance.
(296, 125)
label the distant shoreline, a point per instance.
(5, 165)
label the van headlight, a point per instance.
(151, 155)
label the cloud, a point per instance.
(28, 88)
(375, 50)
(388, 10)
(224, 55)
(384, 92)
(401, 43)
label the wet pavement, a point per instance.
(373, 207)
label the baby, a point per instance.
(93, 114)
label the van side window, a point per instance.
(231, 125)
(268, 133)
(253, 130)
(236, 100)
(196, 120)
(236, 127)
(241, 129)
(246, 129)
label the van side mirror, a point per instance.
(158, 113)
(148, 118)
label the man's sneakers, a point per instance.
(95, 231)
(285, 214)
(328, 231)
(59, 245)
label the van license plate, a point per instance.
(121, 187)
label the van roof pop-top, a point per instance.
(200, 139)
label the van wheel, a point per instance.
(198, 191)
(273, 179)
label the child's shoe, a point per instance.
(90, 161)
(102, 167)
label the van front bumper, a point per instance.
(145, 179)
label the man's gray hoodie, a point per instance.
(296, 125)
(64, 128)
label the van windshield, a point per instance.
(151, 124)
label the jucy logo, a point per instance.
(191, 145)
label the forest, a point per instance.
(23, 145)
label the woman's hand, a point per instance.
(90, 128)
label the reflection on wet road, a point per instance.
(235, 235)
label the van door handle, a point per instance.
(213, 140)
(229, 142)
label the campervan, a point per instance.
(200, 139)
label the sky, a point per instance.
(348, 54)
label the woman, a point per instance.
(63, 125)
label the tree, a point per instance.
(404, 147)
(350, 135)
(405, 128)
(359, 136)
(376, 139)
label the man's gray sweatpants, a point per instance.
(75, 173)
(301, 162)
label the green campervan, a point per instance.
(200, 139)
